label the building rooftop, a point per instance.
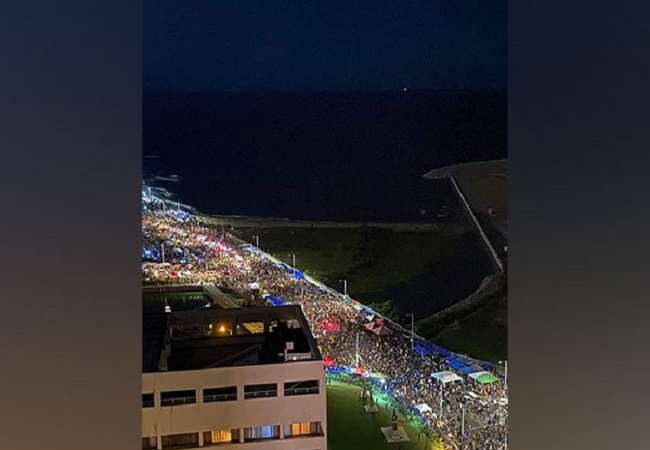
(185, 298)
(208, 338)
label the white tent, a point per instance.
(423, 408)
(446, 377)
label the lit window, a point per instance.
(222, 329)
(262, 432)
(221, 436)
(250, 328)
(303, 429)
(298, 429)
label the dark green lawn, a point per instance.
(482, 334)
(407, 271)
(351, 428)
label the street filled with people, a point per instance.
(180, 248)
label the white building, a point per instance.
(249, 378)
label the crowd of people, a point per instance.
(181, 249)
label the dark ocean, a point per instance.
(333, 156)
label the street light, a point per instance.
(293, 260)
(345, 287)
(462, 420)
(505, 374)
(412, 328)
(257, 241)
(357, 350)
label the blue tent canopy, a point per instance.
(464, 367)
(424, 350)
(487, 366)
(466, 370)
(455, 363)
(428, 349)
(476, 367)
(285, 267)
(440, 350)
(275, 301)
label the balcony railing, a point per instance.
(178, 401)
(261, 394)
(301, 391)
(219, 397)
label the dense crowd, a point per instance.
(179, 249)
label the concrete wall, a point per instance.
(200, 417)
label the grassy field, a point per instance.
(395, 272)
(482, 334)
(351, 428)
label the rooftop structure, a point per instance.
(209, 338)
(250, 377)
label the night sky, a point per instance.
(258, 45)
